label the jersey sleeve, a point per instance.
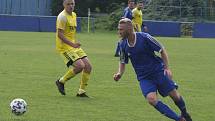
(125, 14)
(134, 13)
(154, 44)
(61, 22)
(123, 55)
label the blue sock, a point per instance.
(181, 106)
(165, 110)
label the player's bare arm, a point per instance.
(165, 59)
(63, 38)
(120, 72)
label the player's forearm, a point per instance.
(63, 39)
(121, 68)
(165, 59)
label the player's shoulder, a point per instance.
(62, 16)
(142, 34)
(62, 13)
(122, 42)
(74, 14)
(134, 10)
(148, 37)
(127, 9)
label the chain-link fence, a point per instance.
(180, 10)
(185, 13)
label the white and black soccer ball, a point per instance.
(18, 106)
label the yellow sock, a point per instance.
(80, 91)
(69, 74)
(84, 79)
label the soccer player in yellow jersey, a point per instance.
(138, 17)
(69, 48)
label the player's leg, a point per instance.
(149, 91)
(161, 107)
(75, 65)
(74, 68)
(168, 87)
(135, 27)
(177, 98)
(85, 73)
(84, 77)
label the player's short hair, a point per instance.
(125, 21)
(65, 0)
(130, 1)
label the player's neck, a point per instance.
(69, 12)
(131, 39)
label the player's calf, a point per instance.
(187, 117)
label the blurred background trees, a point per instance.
(156, 9)
(110, 11)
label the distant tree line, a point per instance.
(174, 10)
(98, 6)
(180, 10)
(108, 6)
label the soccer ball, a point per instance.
(18, 106)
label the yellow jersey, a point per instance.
(137, 16)
(67, 23)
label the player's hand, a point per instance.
(76, 45)
(168, 72)
(117, 76)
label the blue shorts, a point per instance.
(158, 82)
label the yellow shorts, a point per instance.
(70, 56)
(137, 27)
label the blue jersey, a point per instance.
(142, 55)
(127, 13)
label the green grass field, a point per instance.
(29, 66)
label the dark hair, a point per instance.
(131, 1)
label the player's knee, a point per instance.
(152, 100)
(175, 95)
(88, 67)
(81, 67)
(78, 68)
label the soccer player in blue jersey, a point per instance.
(127, 13)
(152, 71)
